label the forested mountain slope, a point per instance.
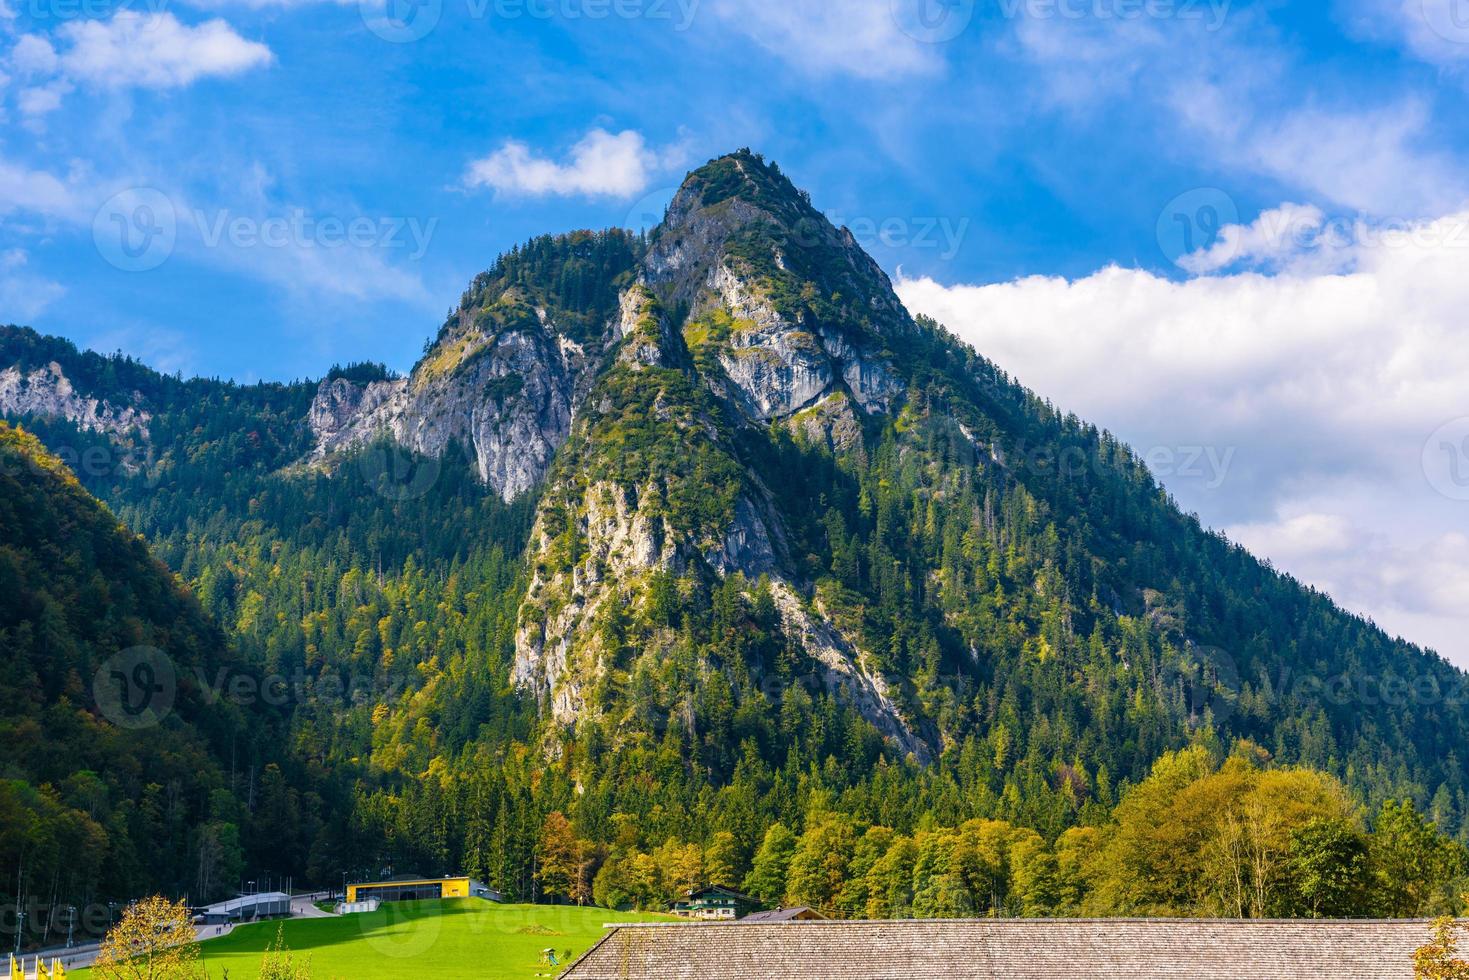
(699, 533)
(123, 767)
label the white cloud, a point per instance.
(155, 51)
(601, 164)
(131, 50)
(1318, 391)
(1354, 156)
(1298, 538)
(43, 99)
(1275, 235)
(33, 55)
(1434, 31)
(35, 191)
(857, 37)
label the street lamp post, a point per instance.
(71, 923)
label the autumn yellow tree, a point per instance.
(560, 866)
(682, 866)
(1439, 960)
(153, 941)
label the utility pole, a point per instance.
(71, 923)
(20, 921)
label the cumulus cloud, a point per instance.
(130, 50)
(1318, 389)
(156, 51)
(601, 164)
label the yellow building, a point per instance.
(410, 889)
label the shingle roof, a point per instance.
(1013, 949)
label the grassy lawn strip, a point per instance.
(442, 939)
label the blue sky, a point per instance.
(1045, 135)
(1229, 231)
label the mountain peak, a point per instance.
(739, 218)
(747, 177)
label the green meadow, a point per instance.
(435, 939)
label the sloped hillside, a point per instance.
(123, 766)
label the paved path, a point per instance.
(73, 959)
(304, 907)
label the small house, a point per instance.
(716, 902)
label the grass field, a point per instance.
(443, 940)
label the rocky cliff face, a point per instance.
(48, 393)
(738, 254)
(744, 358)
(504, 378)
(597, 542)
(507, 398)
(747, 311)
